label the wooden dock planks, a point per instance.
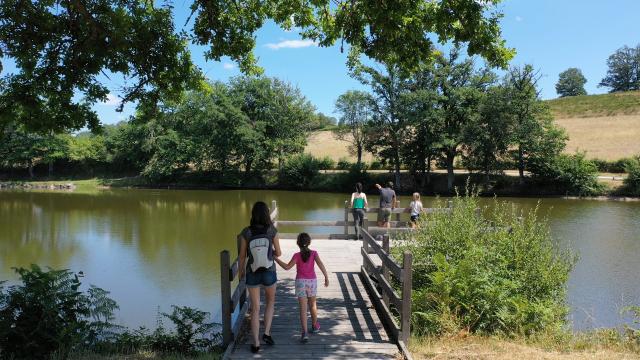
(350, 326)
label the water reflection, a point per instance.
(154, 248)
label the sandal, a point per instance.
(255, 349)
(268, 339)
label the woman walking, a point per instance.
(258, 246)
(359, 205)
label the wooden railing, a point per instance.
(230, 301)
(368, 225)
(386, 299)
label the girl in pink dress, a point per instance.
(306, 282)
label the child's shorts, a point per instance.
(306, 287)
(414, 218)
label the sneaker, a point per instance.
(268, 339)
(315, 328)
(304, 337)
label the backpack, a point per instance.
(261, 252)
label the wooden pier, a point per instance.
(362, 316)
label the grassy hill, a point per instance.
(616, 104)
(606, 126)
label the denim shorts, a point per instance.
(262, 278)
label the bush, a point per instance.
(618, 166)
(299, 171)
(343, 164)
(47, 314)
(509, 280)
(570, 174)
(376, 165)
(326, 163)
(632, 182)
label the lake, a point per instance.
(155, 248)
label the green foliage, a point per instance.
(300, 170)
(62, 48)
(47, 314)
(632, 332)
(326, 163)
(572, 174)
(624, 70)
(632, 181)
(399, 35)
(571, 83)
(503, 277)
(321, 121)
(617, 166)
(355, 110)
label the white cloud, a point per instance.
(111, 100)
(229, 66)
(291, 44)
(519, 18)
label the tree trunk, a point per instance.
(429, 170)
(247, 169)
(521, 164)
(50, 168)
(359, 150)
(423, 170)
(31, 169)
(486, 171)
(450, 177)
(396, 160)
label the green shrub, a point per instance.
(326, 163)
(343, 164)
(618, 166)
(299, 171)
(570, 174)
(47, 314)
(508, 280)
(376, 165)
(632, 181)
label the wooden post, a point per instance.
(385, 270)
(346, 217)
(398, 214)
(450, 204)
(405, 314)
(225, 296)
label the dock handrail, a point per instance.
(387, 298)
(238, 298)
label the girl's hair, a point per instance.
(416, 196)
(358, 187)
(260, 216)
(304, 240)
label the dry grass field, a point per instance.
(324, 143)
(607, 138)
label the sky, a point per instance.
(552, 35)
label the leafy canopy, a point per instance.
(571, 83)
(63, 48)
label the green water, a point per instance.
(154, 248)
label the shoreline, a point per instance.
(71, 185)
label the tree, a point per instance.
(535, 135)
(398, 33)
(487, 139)
(355, 112)
(571, 83)
(424, 139)
(461, 89)
(389, 122)
(320, 121)
(24, 149)
(62, 49)
(278, 116)
(624, 70)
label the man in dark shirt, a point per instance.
(387, 204)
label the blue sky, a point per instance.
(552, 35)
